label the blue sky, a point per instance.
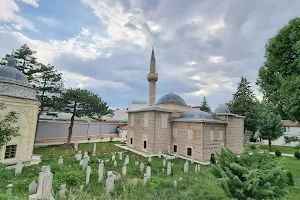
(202, 47)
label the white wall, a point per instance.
(290, 131)
(136, 106)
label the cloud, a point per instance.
(49, 21)
(33, 3)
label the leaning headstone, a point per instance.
(148, 171)
(113, 157)
(124, 170)
(76, 145)
(94, 149)
(62, 191)
(78, 156)
(44, 188)
(186, 166)
(88, 175)
(196, 169)
(60, 160)
(127, 160)
(19, 168)
(145, 179)
(32, 187)
(84, 162)
(142, 166)
(115, 163)
(164, 162)
(100, 171)
(121, 155)
(169, 168)
(9, 189)
(175, 183)
(135, 181)
(110, 182)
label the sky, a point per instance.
(202, 47)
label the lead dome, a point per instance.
(171, 98)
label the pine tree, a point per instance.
(245, 103)
(204, 105)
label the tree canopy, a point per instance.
(204, 105)
(281, 68)
(7, 129)
(245, 103)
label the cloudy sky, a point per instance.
(202, 47)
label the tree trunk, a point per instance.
(270, 145)
(70, 130)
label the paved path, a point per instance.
(283, 154)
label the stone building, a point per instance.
(172, 126)
(18, 95)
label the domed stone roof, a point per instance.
(222, 109)
(171, 98)
(10, 74)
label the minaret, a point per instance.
(152, 78)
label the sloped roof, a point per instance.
(290, 123)
(198, 116)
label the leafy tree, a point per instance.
(25, 59)
(297, 155)
(7, 130)
(80, 103)
(101, 109)
(282, 62)
(270, 126)
(245, 103)
(204, 105)
(288, 140)
(256, 176)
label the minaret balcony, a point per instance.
(152, 76)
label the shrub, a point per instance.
(290, 179)
(277, 153)
(297, 155)
(212, 159)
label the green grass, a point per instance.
(202, 185)
(282, 149)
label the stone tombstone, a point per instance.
(142, 166)
(84, 162)
(124, 170)
(19, 168)
(32, 187)
(121, 155)
(76, 145)
(113, 157)
(186, 166)
(159, 154)
(9, 189)
(115, 163)
(110, 182)
(163, 170)
(169, 168)
(78, 156)
(135, 181)
(193, 160)
(176, 156)
(107, 160)
(145, 179)
(60, 160)
(100, 171)
(150, 159)
(44, 188)
(136, 163)
(94, 149)
(169, 149)
(127, 160)
(88, 175)
(87, 154)
(62, 191)
(148, 171)
(164, 163)
(196, 169)
(175, 183)
(81, 188)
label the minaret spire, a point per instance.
(152, 78)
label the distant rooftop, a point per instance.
(139, 102)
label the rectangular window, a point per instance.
(190, 134)
(145, 144)
(175, 148)
(174, 132)
(189, 151)
(131, 140)
(132, 120)
(10, 151)
(211, 135)
(221, 135)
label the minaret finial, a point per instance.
(152, 54)
(11, 60)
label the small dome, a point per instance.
(171, 98)
(197, 114)
(11, 74)
(222, 109)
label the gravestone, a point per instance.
(148, 171)
(84, 162)
(100, 171)
(60, 160)
(186, 166)
(81, 188)
(176, 155)
(193, 160)
(19, 168)
(115, 163)
(62, 191)
(159, 154)
(110, 182)
(135, 181)
(76, 145)
(175, 183)
(136, 163)
(94, 149)
(88, 175)
(121, 155)
(149, 159)
(78, 156)
(113, 157)
(196, 169)
(32, 187)
(164, 163)
(107, 160)
(169, 149)
(124, 170)
(145, 179)
(87, 154)
(142, 166)
(163, 170)
(169, 168)
(9, 189)
(127, 160)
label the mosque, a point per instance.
(17, 95)
(172, 126)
